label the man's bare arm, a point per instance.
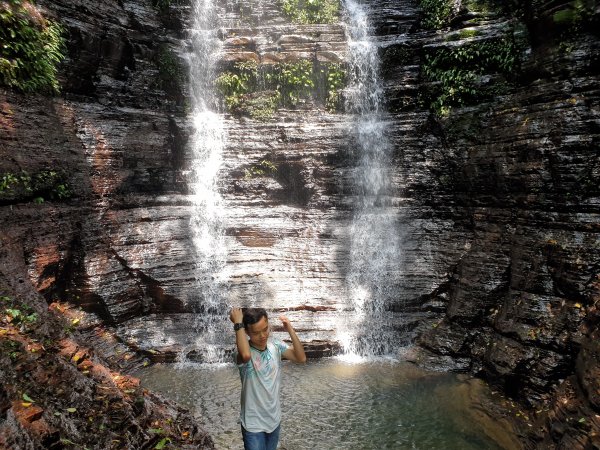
(241, 341)
(296, 352)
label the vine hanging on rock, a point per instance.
(31, 47)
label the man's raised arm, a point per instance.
(296, 352)
(241, 340)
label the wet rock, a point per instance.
(321, 349)
(524, 289)
(588, 369)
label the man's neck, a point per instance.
(258, 348)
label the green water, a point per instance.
(334, 405)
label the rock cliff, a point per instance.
(496, 194)
(67, 162)
(517, 173)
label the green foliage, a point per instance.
(171, 73)
(294, 81)
(571, 21)
(18, 315)
(489, 7)
(574, 13)
(467, 33)
(565, 15)
(31, 47)
(7, 180)
(455, 71)
(436, 13)
(311, 11)
(43, 185)
(262, 105)
(263, 168)
(232, 85)
(12, 348)
(162, 443)
(335, 81)
(258, 91)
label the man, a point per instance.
(259, 361)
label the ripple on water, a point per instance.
(336, 405)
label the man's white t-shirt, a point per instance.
(261, 383)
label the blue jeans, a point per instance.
(261, 441)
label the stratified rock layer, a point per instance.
(519, 175)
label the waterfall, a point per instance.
(374, 248)
(368, 285)
(207, 148)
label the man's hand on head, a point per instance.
(287, 325)
(236, 315)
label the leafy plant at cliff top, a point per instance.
(454, 72)
(42, 185)
(311, 11)
(436, 13)
(31, 47)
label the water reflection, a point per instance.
(336, 405)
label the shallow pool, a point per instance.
(330, 404)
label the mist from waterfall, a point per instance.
(373, 235)
(207, 144)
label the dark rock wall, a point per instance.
(117, 134)
(114, 137)
(519, 175)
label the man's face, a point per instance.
(259, 333)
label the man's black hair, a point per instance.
(253, 315)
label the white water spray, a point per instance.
(374, 248)
(207, 150)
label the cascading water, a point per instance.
(329, 403)
(373, 236)
(374, 247)
(207, 149)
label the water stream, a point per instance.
(207, 146)
(364, 327)
(335, 405)
(374, 232)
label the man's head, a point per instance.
(256, 323)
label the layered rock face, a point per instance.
(496, 203)
(521, 302)
(85, 146)
(122, 246)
